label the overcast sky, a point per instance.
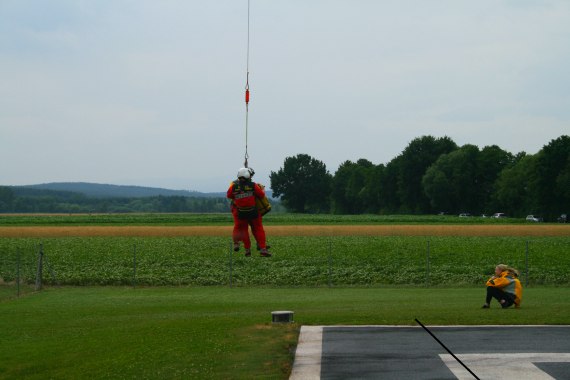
(151, 93)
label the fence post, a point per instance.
(330, 263)
(18, 271)
(40, 268)
(427, 263)
(51, 272)
(231, 265)
(134, 265)
(526, 265)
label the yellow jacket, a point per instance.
(508, 284)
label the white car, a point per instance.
(532, 218)
(498, 215)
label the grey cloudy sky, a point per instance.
(151, 93)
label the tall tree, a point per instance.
(415, 159)
(349, 187)
(373, 190)
(356, 191)
(490, 163)
(515, 188)
(563, 185)
(451, 182)
(340, 203)
(6, 199)
(303, 183)
(389, 199)
(552, 171)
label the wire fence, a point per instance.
(336, 261)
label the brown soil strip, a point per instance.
(352, 230)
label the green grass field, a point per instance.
(157, 330)
(219, 333)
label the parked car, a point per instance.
(498, 215)
(563, 218)
(464, 215)
(534, 218)
(484, 216)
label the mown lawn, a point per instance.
(219, 333)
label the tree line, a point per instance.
(432, 175)
(20, 200)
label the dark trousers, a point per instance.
(499, 295)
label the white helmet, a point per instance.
(244, 173)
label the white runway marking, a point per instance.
(503, 366)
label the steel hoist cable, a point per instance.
(246, 157)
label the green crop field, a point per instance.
(297, 261)
(225, 219)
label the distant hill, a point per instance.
(96, 190)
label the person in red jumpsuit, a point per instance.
(243, 192)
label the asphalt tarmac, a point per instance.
(409, 352)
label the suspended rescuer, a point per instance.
(505, 287)
(246, 197)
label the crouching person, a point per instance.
(505, 287)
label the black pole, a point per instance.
(39, 272)
(51, 272)
(526, 265)
(231, 264)
(427, 265)
(447, 349)
(134, 265)
(18, 272)
(330, 263)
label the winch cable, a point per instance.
(246, 157)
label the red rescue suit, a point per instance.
(243, 194)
